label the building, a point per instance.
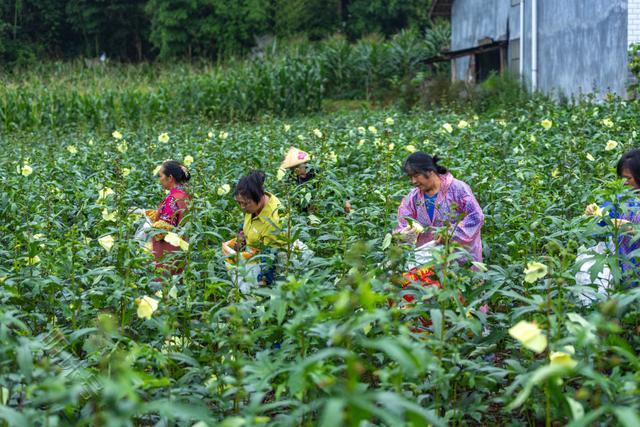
(560, 47)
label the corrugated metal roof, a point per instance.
(441, 9)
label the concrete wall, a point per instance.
(582, 44)
(474, 20)
(633, 34)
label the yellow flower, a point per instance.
(175, 240)
(104, 193)
(108, 216)
(287, 128)
(158, 294)
(38, 236)
(611, 145)
(462, 124)
(280, 174)
(126, 171)
(607, 122)
(529, 336)
(106, 242)
(123, 147)
(163, 137)
(187, 160)
(224, 135)
(300, 137)
(389, 121)
(26, 170)
(411, 148)
(223, 189)
(173, 292)
(361, 130)
(546, 124)
(360, 143)
(391, 146)
(373, 130)
(33, 260)
(90, 142)
(72, 149)
(146, 307)
(317, 133)
(333, 156)
(502, 122)
(590, 157)
(210, 134)
(560, 358)
(156, 170)
(535, 271)
(447, 127)
(593, 210)
(116, 134)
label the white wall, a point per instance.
(633, 34)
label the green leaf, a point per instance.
(539, 375)
(577, 411)
(332, 415)
(628, 417)
(13, 417)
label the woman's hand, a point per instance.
(408, 234)
(241, 241)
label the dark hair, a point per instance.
(631, 161)
(251, 186)
(177, 170)
(420, 162)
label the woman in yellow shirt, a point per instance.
(261, 227)
(261, 235)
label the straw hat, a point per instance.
(294, 158)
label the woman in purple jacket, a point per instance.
(439, 200)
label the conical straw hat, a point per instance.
(294, 158)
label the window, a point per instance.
(514, 52)
(487, 63)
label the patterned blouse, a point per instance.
(173, 206)
(455, 205)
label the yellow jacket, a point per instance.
(264, 229)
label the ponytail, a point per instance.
(422, 163)
(177, 170)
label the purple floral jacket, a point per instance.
(455, 205)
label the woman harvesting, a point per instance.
(173, 177)
(439, 200)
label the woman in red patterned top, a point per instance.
(173, 176)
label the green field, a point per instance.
(322, 345)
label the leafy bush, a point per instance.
(322, 345)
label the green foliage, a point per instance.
(385, 17)
(634, 68)
(206, 29)
(323, 344)
(281, 79)
(93, 98)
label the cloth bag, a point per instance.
(586, 261)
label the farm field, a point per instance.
(323, 345)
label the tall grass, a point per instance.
(282, 79)
(135, 94)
